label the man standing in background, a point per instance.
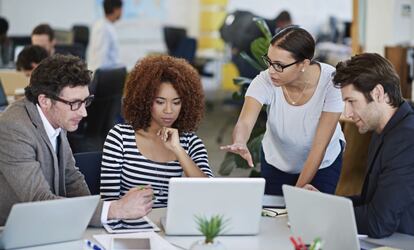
(44, 36)
(103, 48)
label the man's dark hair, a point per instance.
(55, 73)
(111, 5)
(29, 55)
(4, 26)
(44, 29)
(365, 71)
(297, 41)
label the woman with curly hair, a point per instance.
(163, 106)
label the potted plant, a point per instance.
(258, 48)
(210, 228)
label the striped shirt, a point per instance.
(124, 167)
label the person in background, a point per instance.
(44, 36)
(303, 139)
(103, 51)
(163, 106)
(29, 58)
(36, 162)
(281, 21)
(371, 90)
(6, 56)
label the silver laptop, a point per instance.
(314, 214)
(44, 222)
(238, 200)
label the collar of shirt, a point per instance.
(50, 131)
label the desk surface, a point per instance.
(274, 234)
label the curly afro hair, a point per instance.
(143, 84)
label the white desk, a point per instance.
(274, 234)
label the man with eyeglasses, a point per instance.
(36, 162)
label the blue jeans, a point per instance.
(325, 179)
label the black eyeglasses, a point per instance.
(276, 66)
(75, 105)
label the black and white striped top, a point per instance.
(124, 167)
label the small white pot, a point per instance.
(201, 245)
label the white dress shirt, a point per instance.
(51, 132)
(103, 51)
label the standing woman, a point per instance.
(302, 143)
(163, 106)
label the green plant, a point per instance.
(258, 48)
(210, 228)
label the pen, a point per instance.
(92, 245)
(154, 192)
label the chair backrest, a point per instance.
(75, 49)
(186, 49)
(89, 164)
(107, 86)
(173, 36)
(81, 34)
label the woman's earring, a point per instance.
(303, 70)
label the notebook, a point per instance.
(314, 214)
(45, 222)
(238, 200)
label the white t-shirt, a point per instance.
(290, 129)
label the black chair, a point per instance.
(104, 112)
(89, 164)
(181, 46)
(81, 35)
(173, 37)
(75, 49)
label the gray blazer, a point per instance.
(29, 167)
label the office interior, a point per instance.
(341, 28)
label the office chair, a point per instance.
(173, 37)
(75, 49)
(89, 164)
(81, 35)
(104, 112)
(179, 44)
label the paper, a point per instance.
(130, 226)
(157, 242)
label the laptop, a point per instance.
(45, 222)
(3, 98)
(238, 200)
(314, 214)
